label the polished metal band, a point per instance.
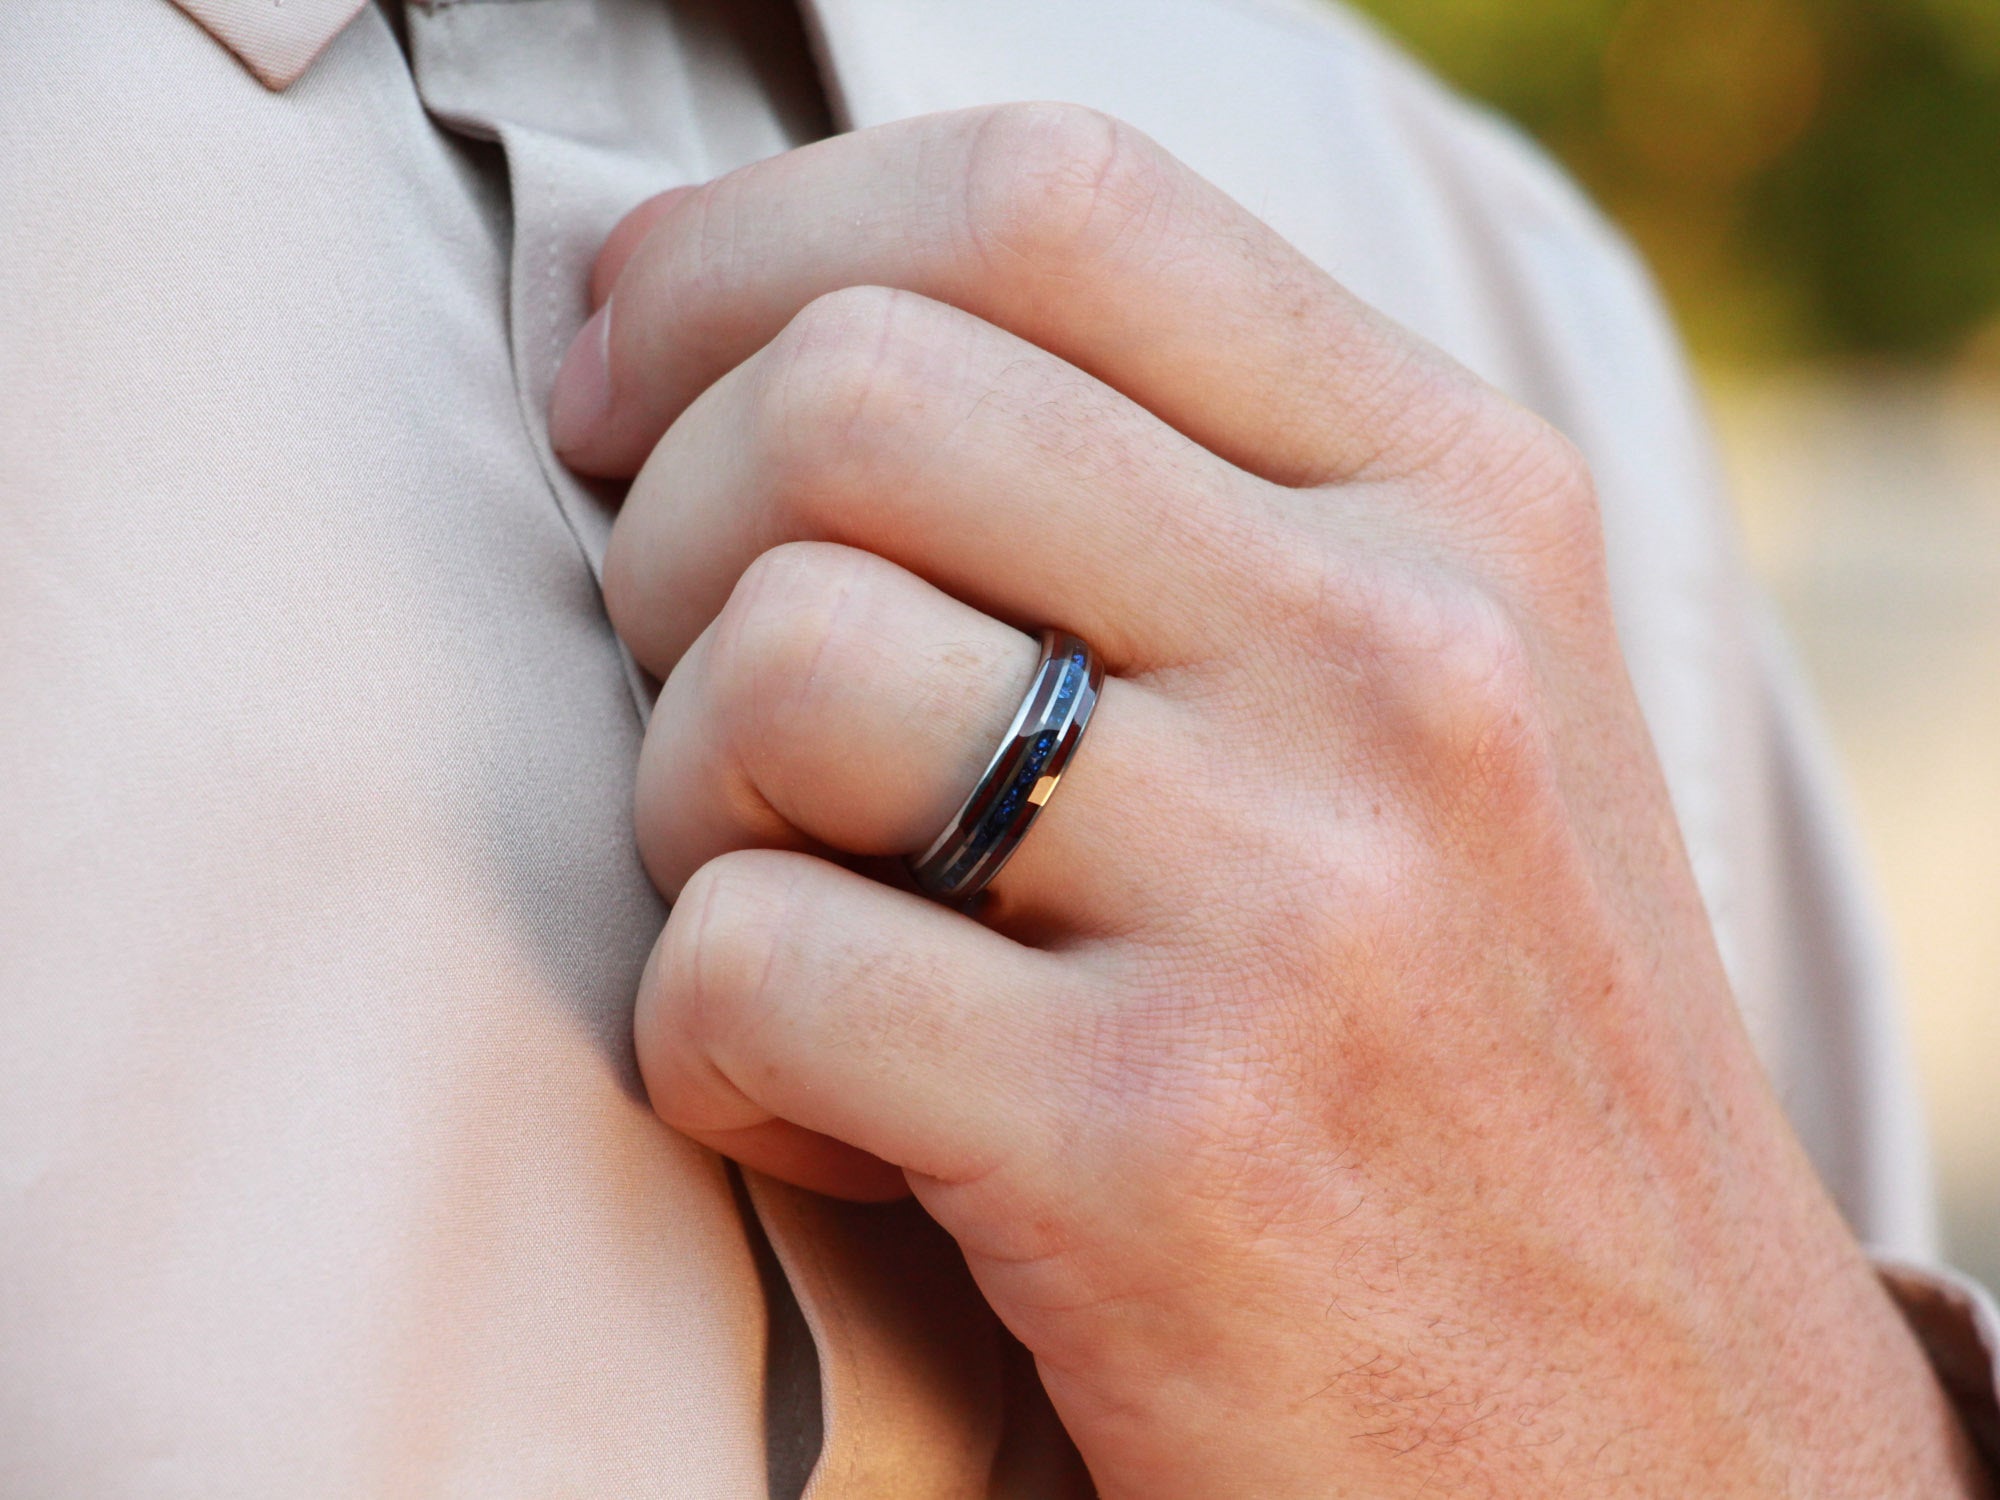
(1018, 781)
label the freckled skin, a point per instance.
(1339, 1093)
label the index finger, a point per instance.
(1058, 224)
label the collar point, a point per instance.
(277, 40)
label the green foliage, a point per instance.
(1811, 177)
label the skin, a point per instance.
(1340, 1093)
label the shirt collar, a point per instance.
(276, 39)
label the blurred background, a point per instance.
(1817, 186)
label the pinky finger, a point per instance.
(831, 1031)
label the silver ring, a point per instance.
(1020, 778)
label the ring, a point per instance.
(1020, 778)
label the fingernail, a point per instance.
(582, 394)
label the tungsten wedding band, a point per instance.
(1020, 778)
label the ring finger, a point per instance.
(840, 702)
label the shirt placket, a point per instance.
(593, 105)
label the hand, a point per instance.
(1340, 1093)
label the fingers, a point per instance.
(840, 702)
(1067, 228)
(789, 1001)
(892, 423)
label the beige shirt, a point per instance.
(324, 1166)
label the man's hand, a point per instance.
(1340, 1093)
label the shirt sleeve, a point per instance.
(1958, 1324)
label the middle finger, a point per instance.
(1013, 481)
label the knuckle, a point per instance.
(1467, 701)
(1059, 187)
(781, 628)
(718, 952)
(1541, 465)
(1564, 500)
(1553, 463)
(831, 366)
(1535, 488)
(1476, 662)
(1444, 670)
(838, 321)
(849, 377)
